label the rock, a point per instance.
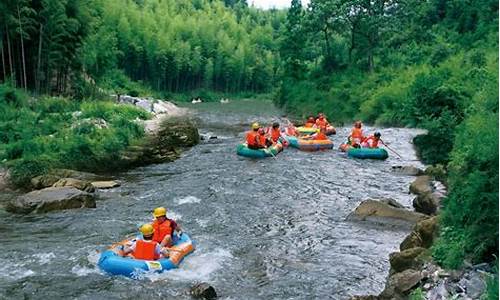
(439, 292)
(426, 203)
(105, 184)
(145, 104)
(49, 199)
(411, 241)
(407, 170)
(399, 284)
(392, 202)
(44, 181)
(475, 286)
(427, 230)
(79, 184)
(203, 290)
(127, 99)
(421, 185)
(406, 259)
(368, 297)
(374, 210)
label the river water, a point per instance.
(265, 229)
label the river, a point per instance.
(264, 229)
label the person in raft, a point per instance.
(356, 136)
(372, 141)
(253, 139)
(147, 248)
(275, 134)
(263, 139)
(321, 121)
(318, 136)
(164, 227)
(310, 122)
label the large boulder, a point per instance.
(423, 234)
(379, 211)
(421, 185)
(399, 284)
(52, 198)
(67, 173)
(406, 259)
(76, 183)
(407, 170)
(426, 203)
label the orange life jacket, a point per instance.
(370, 142)
(320, 136)
(252, 138)
(357, 133)
(275, 134)
(309, 125)
(145, 250)
(290, 130)
(321, 123)
(162, 230)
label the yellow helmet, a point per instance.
(159, 212)
(255, 126)
(147, 229)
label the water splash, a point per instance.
(188, 199)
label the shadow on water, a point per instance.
(272, 228)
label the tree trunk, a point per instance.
(22, 48)
(12, 78)
(39, 61)
(3, 63)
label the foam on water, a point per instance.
(44, 258)
(14, 271)
(198, 266)
(84, 271)
(188, 199)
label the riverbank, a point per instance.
(43, 136)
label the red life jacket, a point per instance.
(320, 136)
(370, 142)
(145, 250)
(322, 123)
(162, 230)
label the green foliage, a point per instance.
(417, 294)
(57, 132)
(492, 286)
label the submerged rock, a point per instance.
(204, 291)
(373, 210)
(52, 198)
(76, 183)
(407, 170)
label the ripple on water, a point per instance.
(187, 199)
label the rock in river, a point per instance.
(407, 170)
(52, 198)
(76, 183)
(105, 184)
(373, 210)
(204, 291)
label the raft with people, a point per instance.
(273, 150)
(113, 262)
(309, 144)
(364, 153)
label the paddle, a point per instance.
(391, 149)
(269, 151)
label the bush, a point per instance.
(21, 171)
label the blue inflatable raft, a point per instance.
(243, 150)
(113, 263)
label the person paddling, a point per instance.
(372, 141)
(164, 227)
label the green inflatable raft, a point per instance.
(243, 150)
(371, 153)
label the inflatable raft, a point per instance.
(243, 150)
(309, 145)
(363, 153)
(112, 262)
(330, 130)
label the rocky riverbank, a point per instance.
(168, 132)
(412, 271)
